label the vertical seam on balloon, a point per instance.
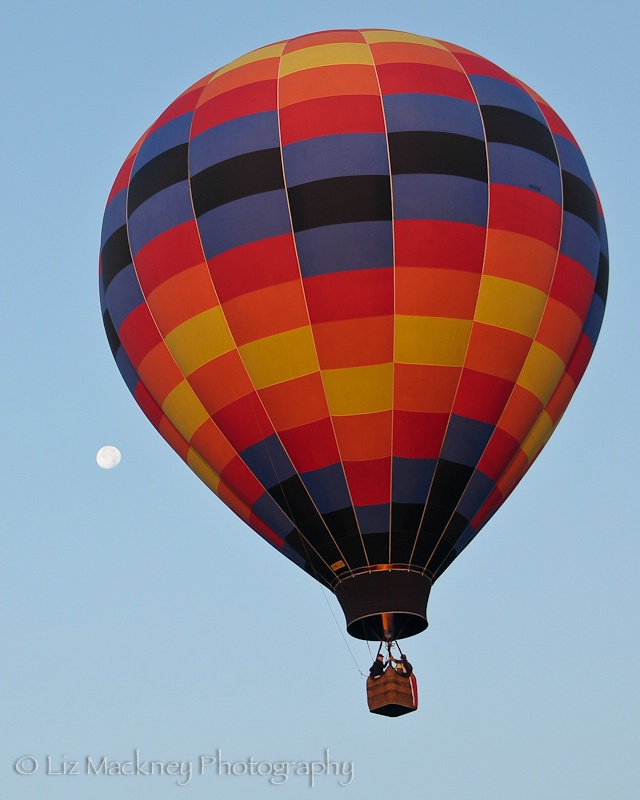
(393, 258)
(142, 140)
(555, 268)
(295, 247)
(533, 339)
(484, 261)
(213, 288)
(191, 447)
(306, 544)
(320, 371)
(514, 483)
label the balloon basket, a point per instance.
(392, 694)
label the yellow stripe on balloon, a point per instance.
(538, 436)
(280, 358)
(439, 341)
(184, 410)
(271, 51)
(199, 340)
(359, 390)
(323, 55)
(203, 470)
(541, 372)
(373, 36)
(509, 304)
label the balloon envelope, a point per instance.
(354, 279)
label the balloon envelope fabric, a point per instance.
(354, 278)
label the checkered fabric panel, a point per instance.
(354, 279)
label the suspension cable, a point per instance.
(341, 633)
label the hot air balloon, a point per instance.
(353, 279)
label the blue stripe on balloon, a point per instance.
(267, 510)
(411, 478)
(593, 322)
(495, 92)
(373, 519)
(340, 248)
(294, 556)
(580, 242)
(268, 461)
(440, 197)
(234, 138)
(572, 160)
(127, 371)
(172, 133)
(259, 216)
(516, 166)
(164, 210)
(115, 216)
(432, 112)
(327, 488)
(123, 295)
(466, 440)
(478, 489)
(333, 156)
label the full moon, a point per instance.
(108, 457)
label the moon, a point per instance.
(108, 457)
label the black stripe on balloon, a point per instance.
(241, 176)
(440, 530)
(377, 546)
(579, 199)
(115, 255)
(352, 551)
(163, 171)
(444, 549)
(313, 564)
(602, 281)
(449, 482)
(110, 330)
(334, 201)
(435, 153)
(344, 529)
(405, 523)
(292, 497)
(436, 569)
(513, 127)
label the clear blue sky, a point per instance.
(138, 612)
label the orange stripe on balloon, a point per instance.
(335, 80)
(182, 297)
(364, 437)
(432, 292)
(265, 312)
(295, 402)
(354, 342)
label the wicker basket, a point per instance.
(392, 694)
